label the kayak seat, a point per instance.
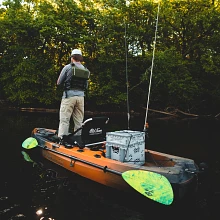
(93, 132)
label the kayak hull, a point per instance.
(92, 163)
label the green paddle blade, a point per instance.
(26, 157)
(29, 143)
(152, 185)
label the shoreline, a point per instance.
(176, 114)
(44, 110)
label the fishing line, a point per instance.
(152, 65)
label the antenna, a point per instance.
(152, 65)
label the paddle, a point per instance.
(30, 143)
(152, 185)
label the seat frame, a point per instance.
(75, 139)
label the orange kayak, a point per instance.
(92, 161)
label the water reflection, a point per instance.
(30, 189)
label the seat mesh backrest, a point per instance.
(94, 130)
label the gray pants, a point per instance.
(72, 106)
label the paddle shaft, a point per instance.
(104, 168)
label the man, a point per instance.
(74, 76)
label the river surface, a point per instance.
(41, 190)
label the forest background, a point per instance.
(117, 39)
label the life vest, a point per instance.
(78, 79)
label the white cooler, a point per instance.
(126, 146)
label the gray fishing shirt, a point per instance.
(65, 75)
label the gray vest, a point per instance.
(78, 79)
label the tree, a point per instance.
(117, 38)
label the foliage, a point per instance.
(117, 38)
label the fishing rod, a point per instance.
(152, 65)
(126, 67)
(126, 72)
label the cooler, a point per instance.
(126, 146)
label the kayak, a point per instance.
(105, 157)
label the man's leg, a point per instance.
(78, 113)
(66, 109)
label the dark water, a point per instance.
(26, 187)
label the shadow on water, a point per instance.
(30, 184)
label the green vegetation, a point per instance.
(37, 37)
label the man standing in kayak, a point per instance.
(72, 103)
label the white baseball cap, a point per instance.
(76, 51)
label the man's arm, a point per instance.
(62, 75)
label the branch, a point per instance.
(217, 115)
